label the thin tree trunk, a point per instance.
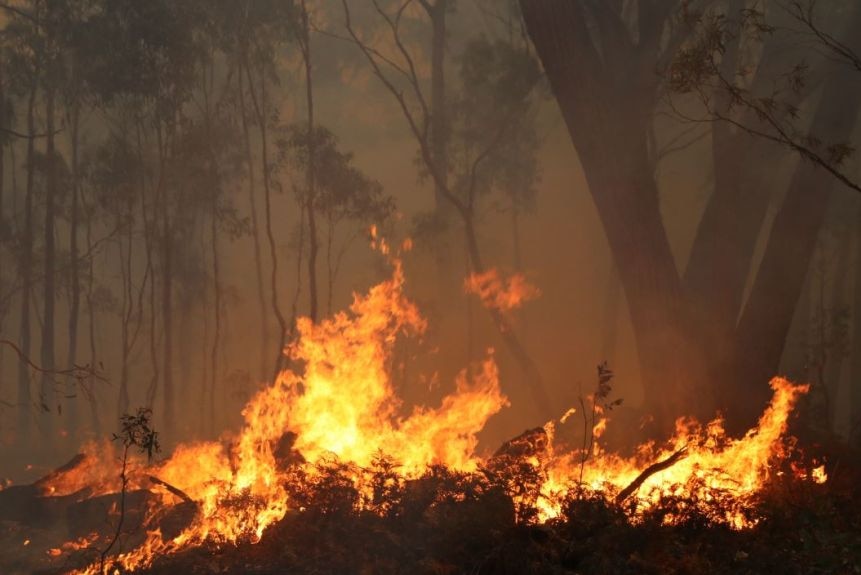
(855, 368)
(26, 267)
(125, 325)
(74, 279)
(259, 107)
(149, 217)
(4, 309)
(439, 121)
(330, 271)
(167, 318)
(47, 351)
(255, 232)
(534, 380)
(310, 200)
(216, 337)
(95, 419)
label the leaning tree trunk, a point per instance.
(765, 321)
(721, 257)
(608, 118)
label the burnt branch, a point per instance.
(648, 472)
(174, 490)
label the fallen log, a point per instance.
(648, 472)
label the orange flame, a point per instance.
(497, 292)
(337, 401)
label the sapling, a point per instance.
(135, 432)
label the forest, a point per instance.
(430, 286)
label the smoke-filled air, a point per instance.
(430, 287)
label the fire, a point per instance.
(711, 467)
(497, 292)
(336, 402)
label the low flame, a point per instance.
(498, 292)
(336, 403)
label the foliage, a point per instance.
(136, 431)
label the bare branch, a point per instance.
(805, 15)
(78, 372)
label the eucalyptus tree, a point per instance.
(346, 199)
(142, 57)
(262, 30)
(25, 58)
(459, 183)
(702, 341)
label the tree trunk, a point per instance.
(149, 217)
(125, 321)
(439, 121)
(765, 321)
(608, 115)
(310, 200)
(47, 355)
(259, 105)
(255, 233)
(167, 318)
(721, 256)
(216, 286)
(92, 396)
(26, 267)
(836, 306)
(855, 368)
(74, 278)
(4, 308)
(534, 380)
